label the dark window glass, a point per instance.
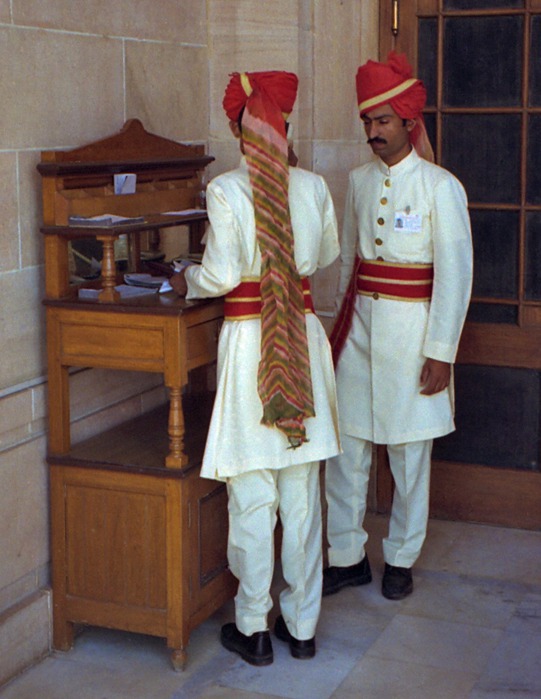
(482, 4)
(495, 246)
(428, 58)
(483, 61)
(532, 280)
(534, 159)
(483, 151)
(430, 123)
(535, 62)
(497, 418)
(492, 313)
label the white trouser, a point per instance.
(346, 484)
(254, 499)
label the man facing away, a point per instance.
(405, 284)
(274, 417)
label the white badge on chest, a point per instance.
(407, 221)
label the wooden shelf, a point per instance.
(140, 445)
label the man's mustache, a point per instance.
(376, 139)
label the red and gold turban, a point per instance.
(278, 85)
(392, 83)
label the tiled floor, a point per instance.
(471, 630)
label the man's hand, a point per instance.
(435, 376)
(178, 282)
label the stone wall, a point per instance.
(74, 71)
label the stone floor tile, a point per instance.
(290, 678)
(503, 554)
(436, 643)
(513, 667)
(489, 603)
(375, 678)
(527, 617)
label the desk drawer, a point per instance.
(202, 342)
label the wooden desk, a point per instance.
(138, 538)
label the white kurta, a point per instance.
(237, 442)
(380, 366)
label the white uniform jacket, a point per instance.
(237, 442)
(412, 212)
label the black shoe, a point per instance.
(298, 649)
(255, 649)
(335, 577)
(397, 582)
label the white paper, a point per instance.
(184, 212)
(125, 183)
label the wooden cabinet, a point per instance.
(138, 538)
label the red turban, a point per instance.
(277, 85)
(392, 83)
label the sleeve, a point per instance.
(348, 244)
(453, 270)
(220, 268)
(330, 247)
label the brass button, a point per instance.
(381, 221)
(379, 258)
(387, 183)
(379, 241)
(375, 295)
(383, 200)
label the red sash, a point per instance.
(244, 301)
(380, 279)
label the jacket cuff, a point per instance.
(440, 351)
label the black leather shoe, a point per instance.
(298, 649)
(255, 649)
(397, 582)
(335, 577)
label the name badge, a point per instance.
(407, 223)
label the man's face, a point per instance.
(387, 134)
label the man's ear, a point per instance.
(411, 124)
(235, 130)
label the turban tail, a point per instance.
(284, 380)
(392, 83)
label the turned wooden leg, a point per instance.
(108, 293)
(176, 457)
(178, 659)
(154, 240)
(134, 253)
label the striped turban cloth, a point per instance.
(392, 83)
(284, 380)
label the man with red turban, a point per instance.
(274, 418)
(404, 289)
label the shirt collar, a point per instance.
(407, 163)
